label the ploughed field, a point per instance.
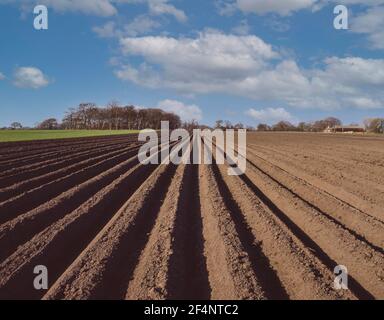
(108, 227)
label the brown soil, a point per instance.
(108, 227)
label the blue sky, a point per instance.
(247, 61)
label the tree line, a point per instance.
(373, 125)
(315, 126)
(88, 116)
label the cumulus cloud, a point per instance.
(210, 61)
(225, 7)
(285, 7)
(103, 8)
(365, 103)
(30, 77)
(184, 111)
(159, 7)
(371, 23)
(343, 82)
(247, 66)
(270, 115)
(358, 2)
(140, 25)
(107, 30)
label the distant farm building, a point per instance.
(345, 129)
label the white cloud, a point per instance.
(359, 2)
(2, 76)
(285, 7)
(343, 79)
(365, 103)
(103, 8)
(159, 7)
(201, 65)
(141, 25)
(371, 23)
(270, 115)
(247, 66)
(108, 30)
(30, 77)
(343, 82)
(354, 71)
(92, 7)
(225, 7)
(184, 111)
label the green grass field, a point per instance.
(30, 135)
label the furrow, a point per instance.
(20, 169)
(302, 275)
(362, 225)
(66, 168)
(35, 197)
(58, 245)
(333, 244)
(104, 268)
(22, 228)
(230, 265)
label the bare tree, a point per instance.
(228, 125)
(219, 124)
(330, 122)
(375, 125)
(263, 127)
(283, 126)
(305, 127)
(238, 126)
(48, 124)
(115, 117)
(190, 125)
(16, 125)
